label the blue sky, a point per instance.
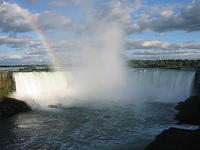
(153, 29)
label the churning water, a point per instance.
(113, 127)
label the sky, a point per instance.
(32, 31)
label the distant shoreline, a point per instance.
(166, 64)
(159, 64)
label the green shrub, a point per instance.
(7, 84)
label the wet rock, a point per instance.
(11, 106)
(176, 139)
(189, 111)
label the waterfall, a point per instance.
(160, 83)
(42, 88)
(47, 88)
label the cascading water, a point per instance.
(52, 88)
(42, 88)
(164, 85)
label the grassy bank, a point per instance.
(7, 84)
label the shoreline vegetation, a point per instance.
(7, 83)
(162, 64)
(166, 64)
(26, 68)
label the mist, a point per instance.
(97, 72)
(92, 68)
(101, 72)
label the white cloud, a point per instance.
(49, 21)
(163, 19)
(20, 43)
(152, 49)
(14, 57)
(13, 18)
(23, 59)
(153, 44)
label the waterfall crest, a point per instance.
(42, 88)
(47, 88)
(176, 85)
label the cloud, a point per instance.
(28, 47)
(119, 10)
(14, 57)
(130, 13)
(49, 21)
(19, 43)
(166, 56)
(31, 49)
(152, 49)
(23, 59)
(163, 19)
(27, 51)
(154, 44)
(13, 18)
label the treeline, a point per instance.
(168, 64)
(28, 68)
(22, 65)
(35, 68)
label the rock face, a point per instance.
(197, 82)
(176, 139)
(189, 111)
(11, 106)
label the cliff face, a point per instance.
(189, 111)
(197, 82)
(7, 84)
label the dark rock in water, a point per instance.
(11, 106)
(189, 111)
(176, 139)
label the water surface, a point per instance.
(112, 127)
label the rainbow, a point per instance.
(50, 49)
